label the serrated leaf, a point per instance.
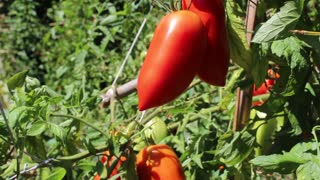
(17, 80)
(57, 131)
(197, 159)
(279, 24)
(18, 114)
(282, 163)
(240, 51)
(309, 170)
(57, 174)
(37, 128)
(304, 147)
(234, 147)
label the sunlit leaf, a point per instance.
(37, 128)
(309, 170)
(17, 80)
(282, 163)
(279, 24)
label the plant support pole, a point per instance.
(244, 96)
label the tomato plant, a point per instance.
(215, 65)
(57, 59)
(158, 162)
(172, 60)
(107, 159)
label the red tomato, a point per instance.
(263, 89)
(214, 67)
(107, 157)
(158, 162)
(173, 59)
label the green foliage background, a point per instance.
(58, 57)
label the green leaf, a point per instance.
(57, 174)
(37, 128)
(260, 63)
(309, 170)
(234, 147)
(240, 51)
(18, 115)
(279, 24)
(86, 165)
(102, 170)
(88, 144)
(130, 167)
(36, 148)
(197, 159)
(57, 131)
(304, 147)
(17, 80)
(283, 163)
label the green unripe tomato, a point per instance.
(156, 130)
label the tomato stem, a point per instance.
(304, 32)
(76, 157)
(314, 133)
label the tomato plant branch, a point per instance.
(45, 163)
(244, 97)
(82, 121)
(121, 91)
(130, 87)
(304, 32)
(112, 102)
(61, 161)
(7, 122)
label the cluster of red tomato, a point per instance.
(189, 42)
(153, 162)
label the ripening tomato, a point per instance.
(263, 89)
(214, 67)
(108, 158)
(172, 60)
(158, 162)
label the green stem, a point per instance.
(314, 129)
(7, 122)
(261, 98)
(306, 33)
(76, 157)
(82, 121)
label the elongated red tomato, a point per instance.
(159, 162)
(172, 60)
(214, 67)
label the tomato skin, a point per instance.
(215, 65)
(107, 157)
(263, 89)
(172, 60)
(158, 162)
